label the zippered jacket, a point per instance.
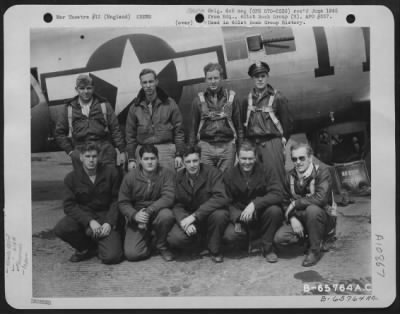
(153, 193)
(163, 126)
(85, 200)
(216, 130)
(92, 128)
(260, 123)
(261, 188)
(315, 190)
(207, 195)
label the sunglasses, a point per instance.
(301, 158)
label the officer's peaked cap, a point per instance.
(258, 67)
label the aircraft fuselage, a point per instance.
(324, 72)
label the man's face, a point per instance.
(300, 159)
(260, 80)
(247, 160)
(213, 80)
(85, 92)
(149, 162)
(89, 159)
(149, 84)
(192, 163)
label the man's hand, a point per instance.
(131, 165)
(247, 213)
(284, 142)
(178, 162)
(191, 230)
(142, 217)
(288, 210)
(297, 226)
(188, 226)
(105, 230)
(96, 228)
(186, 222)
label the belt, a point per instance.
(263, 139)
(219, 142)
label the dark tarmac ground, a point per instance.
(347, 262)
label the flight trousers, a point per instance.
(271, 152)
(220, 155)
(316, 223)
(137, 244)
(73, 233)
(264, 226)
(212, 229)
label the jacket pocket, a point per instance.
(144, 132)
(164, 133)
(82, 195)
(163, 127)
(103, 188)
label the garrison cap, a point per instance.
(84, 79)
(258, 67)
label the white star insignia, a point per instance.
(126, 77)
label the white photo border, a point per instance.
(18, 286)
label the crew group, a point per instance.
(178, 194)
